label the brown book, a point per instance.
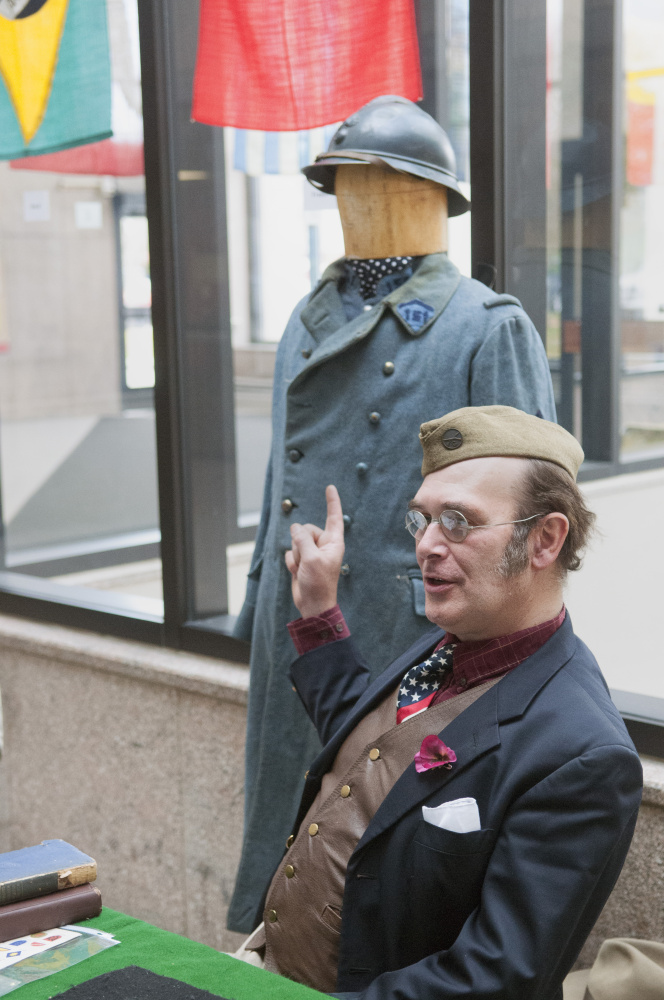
(45, 912)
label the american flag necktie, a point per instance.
(421, 682)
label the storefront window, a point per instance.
(642, 253)
(77, 432)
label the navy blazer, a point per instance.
(502, 912)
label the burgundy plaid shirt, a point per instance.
(473, 662)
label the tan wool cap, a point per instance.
(492, 431)
(625, 969)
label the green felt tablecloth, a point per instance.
(169, 955)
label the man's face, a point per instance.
(465, 590)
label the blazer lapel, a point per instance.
(477, 729)
(471, 734)
(374, 695)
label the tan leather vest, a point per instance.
(303, 906)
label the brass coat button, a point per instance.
(345, 791)
(374, 417)
(272, 916)
(388, 368)
(290, 840)
(289, 871)
(306, 353)
(374, 754)
(287, 506)
(313, 829)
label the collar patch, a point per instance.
(415, 313)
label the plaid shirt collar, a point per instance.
(478, 661)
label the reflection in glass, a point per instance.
(79, 487)
(642, 250)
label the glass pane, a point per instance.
(77, 432)
(642, 254)
(564, 208)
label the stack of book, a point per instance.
(44, 887)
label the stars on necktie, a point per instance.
(421, 682)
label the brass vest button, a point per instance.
(313, 829)
(374, 754)
(374, 417)
(388, 368)
(306, 775)
(290, 840)
(272, 916)
(345, 791)
(289, 871)
(287, 506)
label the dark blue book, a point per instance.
(48, 867)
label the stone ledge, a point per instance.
(653, 781)
(153, 664)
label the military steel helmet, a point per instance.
(392, 132)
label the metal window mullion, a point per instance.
(162, 229)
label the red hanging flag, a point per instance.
(284, 65)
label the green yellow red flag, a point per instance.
(55, 75)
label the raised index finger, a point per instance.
(334, 523)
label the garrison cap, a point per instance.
(496, 431)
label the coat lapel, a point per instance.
(477, 729)
(325, 318)
(374, 695)
(471, 734)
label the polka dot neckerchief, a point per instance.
(369, 272)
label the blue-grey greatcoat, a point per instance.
(353, 382)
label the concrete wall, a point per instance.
(135, 754)
(60, 307)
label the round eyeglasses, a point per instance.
(453, 524)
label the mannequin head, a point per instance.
(386, 213)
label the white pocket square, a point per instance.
(458, 816)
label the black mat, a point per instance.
(134, 983)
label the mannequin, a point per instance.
(369, 355)
(385, 213)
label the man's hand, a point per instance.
(315, 559)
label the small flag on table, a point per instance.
(55, 75)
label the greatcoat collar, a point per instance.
(432, 286)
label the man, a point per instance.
(360, 361)
(478, 868)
